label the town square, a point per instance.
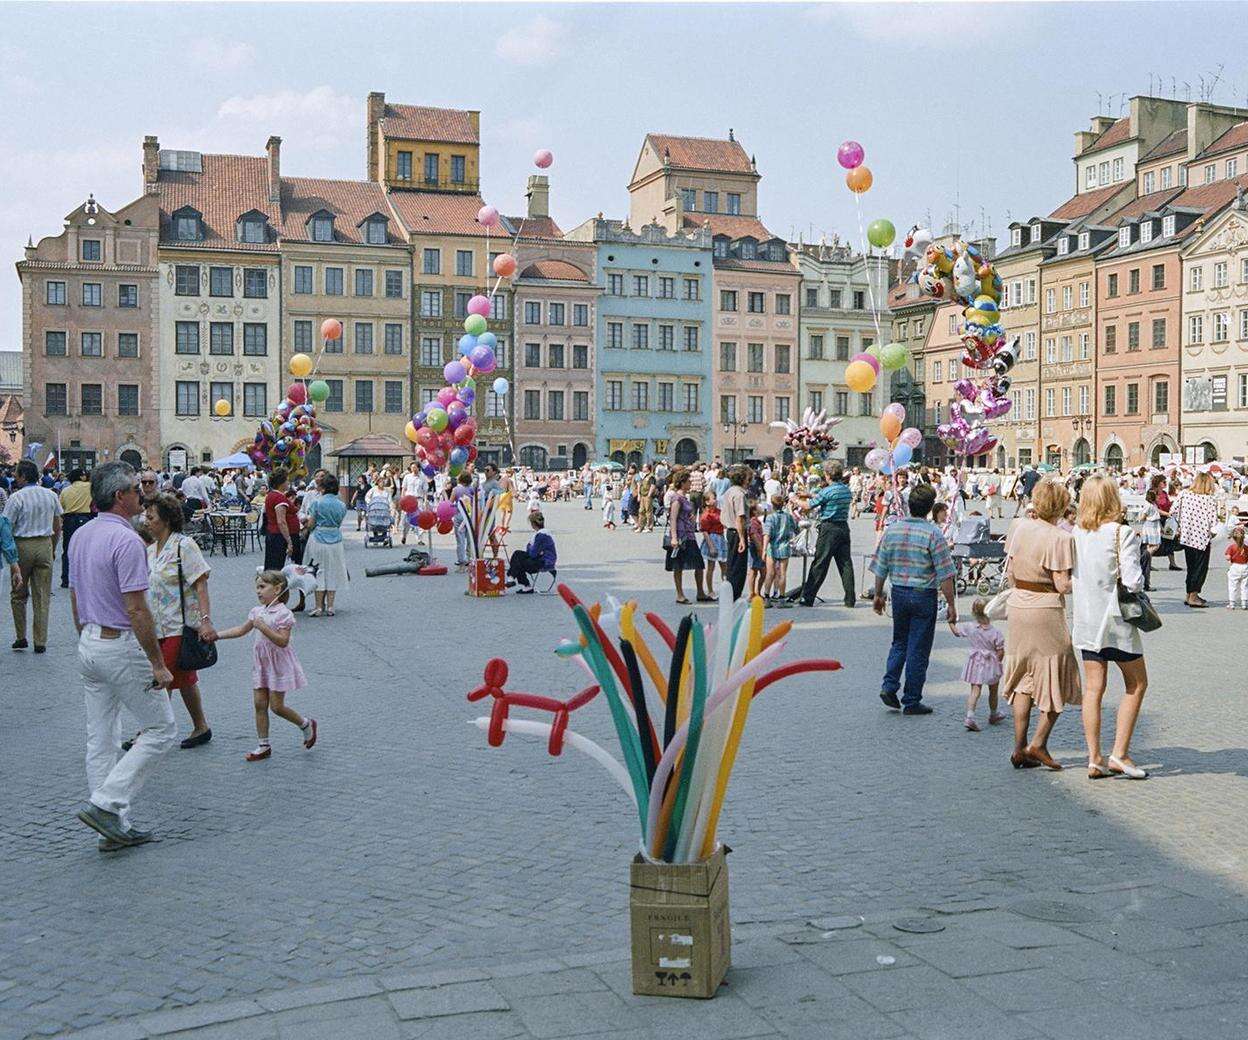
(517, 556)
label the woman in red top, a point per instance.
(1166, 549)
(279, 514)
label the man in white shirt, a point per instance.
(35, 514)
(193, 489)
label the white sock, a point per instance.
(306, 725)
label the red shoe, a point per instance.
(262, 752)
(312, 738)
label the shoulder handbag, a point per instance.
(194, 653)
(1136, 608)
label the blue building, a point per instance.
(653, 376)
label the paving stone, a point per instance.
(965, 1023)
(160, 1022)
(574, 1014)
(907, 989)
(1035, 989)
(326, 993)
(781, 984)
(843, 1018)
(458, 998)
(569, 980)
(481, 1025)
(961, 958)
(846, 958)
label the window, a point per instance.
(333, 281)
(431, 261)
(835, 304)
(1029, 346)
(783, 352)
(1167, 226)
(1118, 169)
(532, 312)
(186, 398)
(580, 315)
(641, 337)
(92, 294)
(334, 402)
(363, 281)
(754, 353)
(641, 285)
(615, 334)
(127, 296)
(860, 300)
(1196, 329)
(727, 300)
(255, 283)
(734, 204)
(363, 337)
(1219, 393)
(54, 294)
(689, 198)
(255, 339)
(1133, 398)
(693, 290)
(754, 409)
(1243, 323)
(1083, 400)
(814, 400)
(554, 405)
(1150, 180)
(458, 169)
(463, 263)
(303, 336)
(1159, 332)
(783, 405)
(431, 168)
(1050, 397)
(54, 344)
(394, 396)
(815, 348)
(841, 406)
(1211, 173)
(1196, 280)
(92, 250)
(303, 280)
(784, 303)
(1085, 239)
(532, 355)
(1050, 300)
(186, 337)
(727, 357)
(692, 403)
(1243, 390)
(667, 337)
(580, 402)
(251, 229)
(580, 355)
(1068, 351)
(255, 399)
(691, 337)
(1111, 339)
(92, 397)
(56, 400)
(221, 337)
(363, 395)
(1029, 403)
(1050, 351)
(554, 355)
(1146, 232)
(221, 392)
(220, 281)
(710, 201)
(1016, 236)
(1068, 297)
(554, 313)
(322, 228)
(394, 285)
(1066, 400)
(1084, 294)
(615, 285)
(1102, 172)
(1111, 286)
(727, 408)
(375, 232)
(186, 226)
(1133, 281)
(1232, 168)
(1220, 279)
(394, 338)
(1221, 327)
(936, 371)
(1133, 335)
(431, 352)
(92, 344)
(461, 304)
(431, 303)
(1063, 245)
(864, 404)
(128, 399)
(403, 166)
(812, 297)
(1166, 177)
(498, 307)
(755, 303)
(615, 395)
(953, 324)
(667, 288)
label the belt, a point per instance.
(31, 537)
(1034, 586)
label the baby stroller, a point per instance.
(979, 557)
(380, 524)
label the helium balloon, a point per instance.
(466, 343)
(445, 526)
(456, 413)
(482, 359)
(880, 233)
(504, 265)
(297, 393)
(479, 305)
(894, 356)
(869, 359)
(426, 518)
(876, 458)
(501, 386)
(419, 419)
(445, 510)
(896, 409)
(858, 180)
(409, 503)
(472, 453)
(890, 427)
(467, 395)
(300, 365)
(487, 339)
(410, 432)
(850, 155)
(474, 324)
(465, 431)
(910, 436)
(874, 350)
(542, 158)
(487, 216)
(454, 372)
(331, 328)
(436, 420)
(446, 395)
(222, 408)
(429, 470)
(859, 377)
(318, 390)
(459, 456)
(902, 454)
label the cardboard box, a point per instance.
(682, 941)
(486, 578)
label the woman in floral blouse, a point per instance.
(1196, 512)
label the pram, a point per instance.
(380, 523)
(979, 557)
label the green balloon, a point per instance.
(318, 390)
(880, 233)
(874, 350)
(436, 419)
(474, 325)
(894, 356)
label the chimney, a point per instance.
(274, 148)
(1083, 141)
(376, 110)
(1102, 123)
(539, 195)
(151, 164)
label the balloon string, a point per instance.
(862, 243)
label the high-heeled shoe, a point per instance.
(1097, 771)
(1131, 772)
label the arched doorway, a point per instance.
(686, 451)
(131, 456)
(533, 456)
(580, 455)
(634, 459)
(1113, 458)
(617, 456)
(786, 456)
(1000, 456)
(1082, 452)
(1207, 451)
(1154, 458)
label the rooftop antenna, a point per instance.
(1100, 103)
(1217, 77)
(1187, 91)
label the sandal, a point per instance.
(314, 613)
(1097, 771)
(329, 613)
(261, 752)
(682, 601)
(1044, 758)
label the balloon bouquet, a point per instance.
(901, 442)
(291, 431)
(813, 433)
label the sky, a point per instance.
(966, 109)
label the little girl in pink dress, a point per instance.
(983, 663)
(275, 669)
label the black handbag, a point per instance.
(194, 653)
(1136, 608)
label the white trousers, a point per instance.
(116, 672)
(1237, 585)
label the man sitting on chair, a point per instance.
(538, 556)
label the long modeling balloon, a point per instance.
(679, 649)
(691, 747)
(660, 626)
(628, 629)
(650, 750)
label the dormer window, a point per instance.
(375, 231)
(1124, 236)
(1146, 231)
(1063, 245)
(721, 247)
(748, 248)
(188, 224)
(1016, 236)
(252, 227)
(1035, 232)
(1167, 225)
(321, 227)
(1085, 239)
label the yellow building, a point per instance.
(429, 149)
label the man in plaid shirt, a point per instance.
(914, 556)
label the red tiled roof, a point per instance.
(227, 187)
(1210, 197)
(349, 201)
(426, 213)
(1171, 144)
(1083, 204)
(1235, 138)
(1137, 207)
(376, 444)
(555, 270)
(535, 227)
(732, 263)
(1116, 134)
(702, 153)
(733, 227)
(449, 125)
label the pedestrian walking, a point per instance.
(76, 511)
(779, 530)
(1196, 513)
(119, 655)
(35, 515)
(983, 663)
(830, 508)
(735, 517)
(1237, 571)
(680, 540)
(277, 541)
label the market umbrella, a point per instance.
(609, 465)
(239, 460)
(1046, 467)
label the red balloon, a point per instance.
(331, 328)
(472, 453)
(426, 438)
(446, 440)
(465, 432)
(436, 458)
(409, 503)
(297, 393)
(425, 519)
(445, 527)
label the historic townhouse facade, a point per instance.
(942, 357)
(911, 316)
(837, 322)
(90, 336)
(653, 377)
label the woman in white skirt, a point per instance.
(324, 548)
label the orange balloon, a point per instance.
(859, 377)
(858, 179)
(890, 427)
(504, 265)
(331, 328)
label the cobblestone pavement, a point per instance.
(890, 876)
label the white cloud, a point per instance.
(215, 55)
(320, 118)
(540, 42)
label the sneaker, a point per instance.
(971, 724)
(261, 752)
(309, 733)
(106, 823)
(20, 644)
(997, 717)
(917, 709)
(40, 649)
(890, 700)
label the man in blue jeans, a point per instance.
(914, 557)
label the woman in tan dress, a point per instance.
(1040, 666)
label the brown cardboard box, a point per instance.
(680, 926)
(486, 578)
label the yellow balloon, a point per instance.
(859, 377)
(300, 365)
(410, 430)
(222, 408)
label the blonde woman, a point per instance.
(1107, 551)
(1039, 667)
(1196, 512)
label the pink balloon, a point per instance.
(876, 458)
(870, 359)
(297, 392)
(446, 395)
(479, 305)
(445, 511)
(850, 154)
(910, 436)
(897, 409)
(487, 216)
(543, 158)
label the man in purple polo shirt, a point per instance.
(119, 655)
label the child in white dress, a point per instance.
(983, 663)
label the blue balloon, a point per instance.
(458, 456)
(488, 339)
(902, 454)
(467, 342)
(501, 386)
(429, 469)
(467, 395)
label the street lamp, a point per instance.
(1081, 424)
(735, 428)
